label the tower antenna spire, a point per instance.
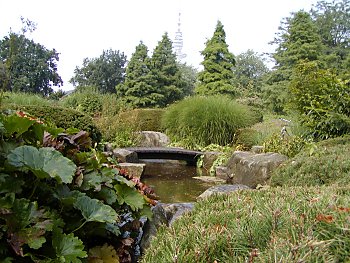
(178, 42)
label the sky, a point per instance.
(79, 29)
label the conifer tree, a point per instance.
(217, 75)
(138, 89)
(166, 72)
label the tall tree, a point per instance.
(138, 89)
(333, 23)
(104, 72)
(249, 72)
(217, 75)
(297, 40)
(29, 66)
(166, 72)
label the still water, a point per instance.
(172, 180)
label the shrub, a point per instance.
(247, 138)
(326, 163)
(143, 119)
(206, 120)
(289, 146)
(322, 99)
(63, 117)
(274, 225)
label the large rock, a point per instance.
(222, 189)
(135, 169)
(125, 156)
(209, 158)
(252, 169)
(153, 139)
(163, 214)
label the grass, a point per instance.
(200, 121)
(275, 225)
(323, 163)
(20, 98)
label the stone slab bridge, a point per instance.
(189, 156)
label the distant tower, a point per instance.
(178, 43)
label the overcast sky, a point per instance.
(82, 28)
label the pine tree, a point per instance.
(138, 89)
(217, 75)
(166, 73)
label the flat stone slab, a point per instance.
(210, 179)
(222, 189)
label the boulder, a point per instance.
(209, 179)
(125, 156)
(252, 169)
(221, 172)
(209, 158)
(153, 139)
(222, 189)
(257, 149)
(135, 169)
(163, 214)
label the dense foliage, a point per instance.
(27, 66)
(324, 163)
(104, 72)
(274, 225)
(59, 198)
(322, 100)
(200, 121)
(63, 118)
(217, 75)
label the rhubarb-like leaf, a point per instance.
(68, 247)
(95, 210)
(44, 163)
(130, 196)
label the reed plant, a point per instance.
(200, 121)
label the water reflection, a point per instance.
(172, 180)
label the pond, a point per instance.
(173, 181)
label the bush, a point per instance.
(289, 146)
(326, 163)
(143, 119)
(91, 102)
(274, 225)
(247, 138)
(63, 118)
(200, 121)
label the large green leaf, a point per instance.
(130, 196)
(44, 163)
(95, 210)
(17, 125)
(68, 247)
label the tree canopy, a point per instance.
(217, 75)
(104, 72)
(28, 66)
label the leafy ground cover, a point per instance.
(295, 224)
(60, 199)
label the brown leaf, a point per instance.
(324, 218)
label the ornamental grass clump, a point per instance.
(200, 121)
(273, 225)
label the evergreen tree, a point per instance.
(138, 89)
(298, 40)
(217, 75)
(166, 73)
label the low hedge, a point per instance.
(274, 225)
(62, 117)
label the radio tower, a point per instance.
(178, 43)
